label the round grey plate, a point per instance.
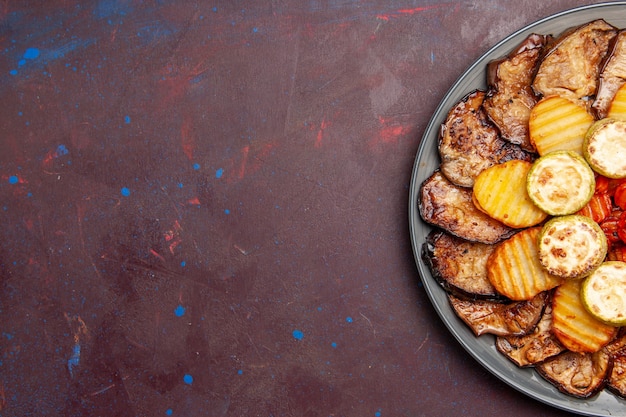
(427, 160)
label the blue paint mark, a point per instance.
(180, 185)
(125, 191)
(349, 319)
(196, 166)
(183, 264)
(21, 62)
(74, 360)
(226, 211)
(62, 150)
(297, 334)
(188, 379)
(9, 336)
(32, 53)
(179, 311)
(378, 413)
(334, 345)
(214, 9)
(219, 173)
(13, 72)
(255, 30)
(240, 372)
(169, 412)
(13, 179)
(127, 119)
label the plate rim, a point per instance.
(563, 402)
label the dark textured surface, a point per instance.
(204, 207)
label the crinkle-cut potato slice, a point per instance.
(617, 109)
(573, 325)
(514, 269)
(558, 124)
(500, 191)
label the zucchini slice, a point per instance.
(604, 147)
(604, 293)
(560, 183)
(571, 246)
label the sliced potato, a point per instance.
(617, 109)
(558, 124)
(500, 191)
(514, 269)
(604, 147)
(560, 182)
(604, 293)
(572, 246)
(573, 325)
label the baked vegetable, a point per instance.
(469, 142)
(514, 269)
(604, 293)
(501, 319)
(571, 246)
(576, 374)
(533, 348)
(571, 65)
(500, 191)
(558, 124)
(617, 109)
(573, 325)
(612, 75)
(450, 207)
(459, 266)
(510, 96)
(560, 183)
(604, 147)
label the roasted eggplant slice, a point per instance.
(501, 319)
(612, 75)
(470, 143)
(460, 266)
(450, 207)
(617, 350)
(571, 65)
(577, 374)
(617, 378)
(533, 348)
(510, 96)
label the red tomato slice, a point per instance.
(619, 197)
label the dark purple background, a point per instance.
(203, 207)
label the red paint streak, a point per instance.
(244, 160)
(173, 236)
(390, 132)
(195, 201)
(405, 12)
(320, 133)
(187, 139)
(157, 255)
